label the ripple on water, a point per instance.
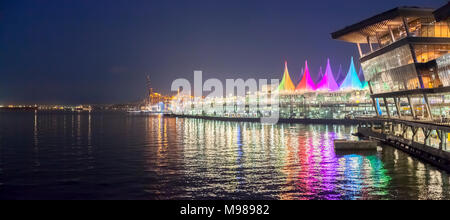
(114, 156)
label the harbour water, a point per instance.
(119, 156)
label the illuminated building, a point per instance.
(307, 101)
(405, 59)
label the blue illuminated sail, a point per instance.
(351, 81)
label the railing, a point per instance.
(437, 122)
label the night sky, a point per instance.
(99, 51)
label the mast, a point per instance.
(150, 91)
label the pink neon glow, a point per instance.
(328, 82)
(306, 83)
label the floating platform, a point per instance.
(355, 145)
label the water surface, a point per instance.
(118, 156)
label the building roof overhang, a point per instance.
(357, 33)
(442, 13)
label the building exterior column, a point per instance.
(427, 103)
(386, 105)
(373, 99)
(370, 44)
(359, 50)
(406, 26)
(376, 107)
(413, 111)
(397, 106)
(378, 40)
(392, 34)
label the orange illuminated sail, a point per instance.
(286, 83)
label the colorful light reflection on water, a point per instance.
(289, 162)
(114, 156)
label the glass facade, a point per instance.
(311, 105)
(418, 27)
(428, 27)
(393, 59)
(443, 68)
(440, 105)
(426, 53)
(431, 78)
(396, 71)
(392, 71)
(393, 80)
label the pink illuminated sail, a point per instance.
(306, 84)
(328, 82)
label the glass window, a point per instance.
(428, 27)
(393, 80)
(427, 53)
(396, 58)
(443, 64)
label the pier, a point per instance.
(408, 79)
(281, 120)
(427, 141)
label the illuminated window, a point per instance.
(443, 64)
(428, 27)
(426, 53)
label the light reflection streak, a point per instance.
(78, 135)
(36, 141)
(352, 166)
(328, 166)
(250, 160)
(73, 126)
(198, 159)
(240, 157)
(161, 154)
(90, 153)
(90, 130)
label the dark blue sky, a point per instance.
(99, 51)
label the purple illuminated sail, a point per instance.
(328, 82)
(319, 76)
(339, 76)
(364, 83)
(361, 75)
